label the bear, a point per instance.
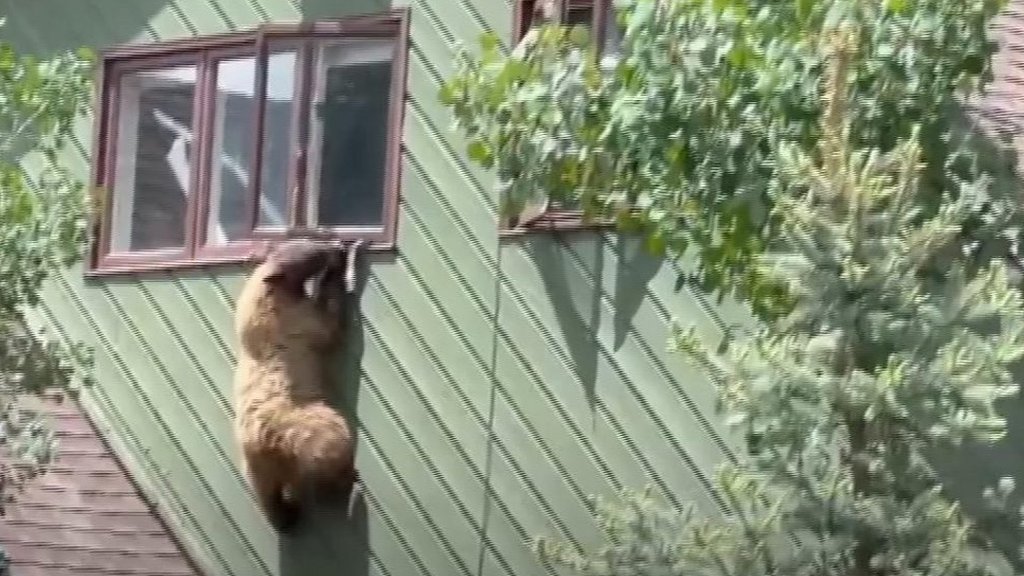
(291, 439)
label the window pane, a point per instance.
(349, 129)
(612, 32)
(232, 150)
(153, 167)
(278, 138)
(579, 15)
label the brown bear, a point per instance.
(291, 438)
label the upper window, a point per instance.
(593, 14)
(208, 144)
(596, 15)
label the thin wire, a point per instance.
(489, 453)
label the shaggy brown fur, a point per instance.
(290, 436)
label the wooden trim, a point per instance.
(377, 24)
(396, 128)
(259, 109)
(199, 157)
(142, 257)
(372, 234)
(555, 220)
(205, 53)
(155, 62)
(231, 250)
(300, 126)
(206, 102)
(105, 158)
(239, 253)
(97, 194)
(106, 161)
(127, 52)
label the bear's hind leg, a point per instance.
(280, 508)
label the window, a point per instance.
(205, 146)
(596, 15)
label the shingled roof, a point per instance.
(85, 516)
(1000, 111)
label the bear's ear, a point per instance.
(292, 263)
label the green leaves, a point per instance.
(42, 229)
(43, 214)
(479, 151)
(801, 149)
(723, 84)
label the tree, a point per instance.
(895, 346)
(886, 335)
(43, 224)
(677, 139)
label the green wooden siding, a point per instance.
(461, 468)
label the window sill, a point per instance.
(557, 221)
(239, 254)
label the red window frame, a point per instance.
(523, 13)
(556, 218)
(205, 52)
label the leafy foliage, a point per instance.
(807, 151)
(45, 217)
(678, 138)
(43, 222)
(898, 342)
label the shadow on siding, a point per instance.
(572, 269)
(327, 542)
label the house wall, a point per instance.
(461, 469)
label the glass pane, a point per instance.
(579, 16)
(153, 167)
(612, 32)
(278, 138)
(231, 160)
(349, 133)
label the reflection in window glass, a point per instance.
(348, 133)
(154, 165)
(278, 138)
(231, 153)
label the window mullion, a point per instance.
(199, 156)
(297, 193)
(259, 110)
(110, 103)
